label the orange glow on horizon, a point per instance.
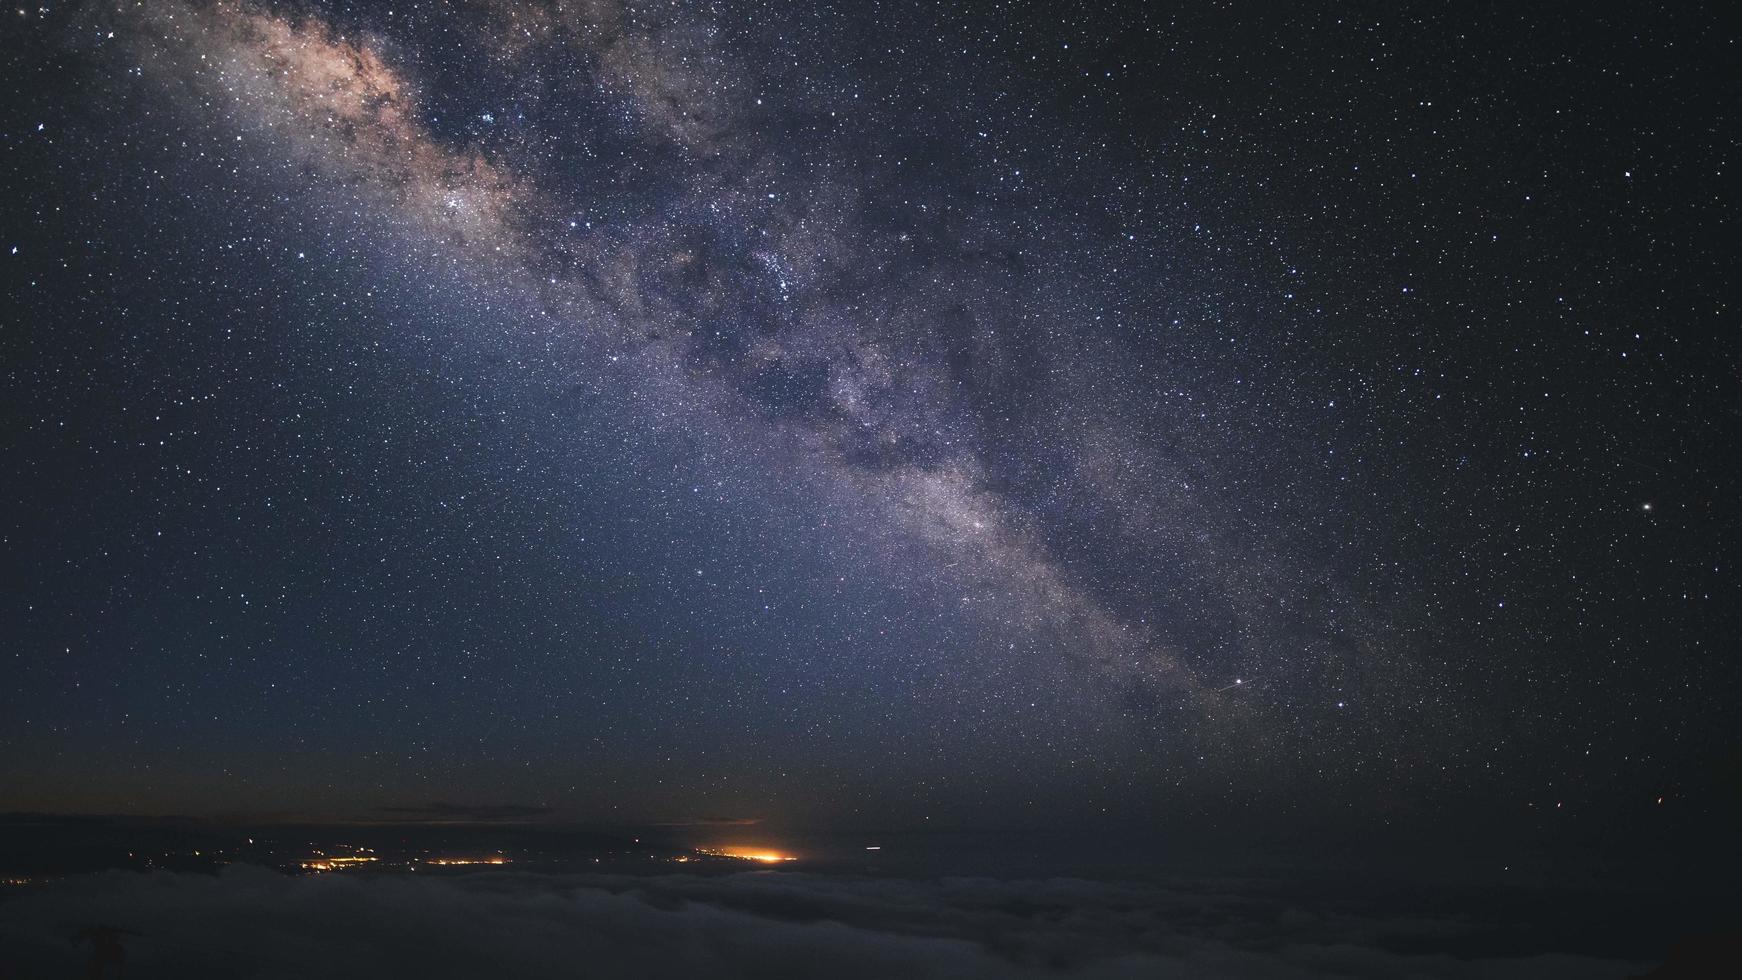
(762, 854)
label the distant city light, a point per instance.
(749, 854)
(320, 864)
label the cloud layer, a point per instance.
(252, 923)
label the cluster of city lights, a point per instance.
(337, 863)
(748, 854)
(322, 863)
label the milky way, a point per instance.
(673, 408)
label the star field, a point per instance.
(868, 413)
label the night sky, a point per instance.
(873, 415)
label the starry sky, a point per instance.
(1019, 415)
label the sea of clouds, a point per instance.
(249, 922)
